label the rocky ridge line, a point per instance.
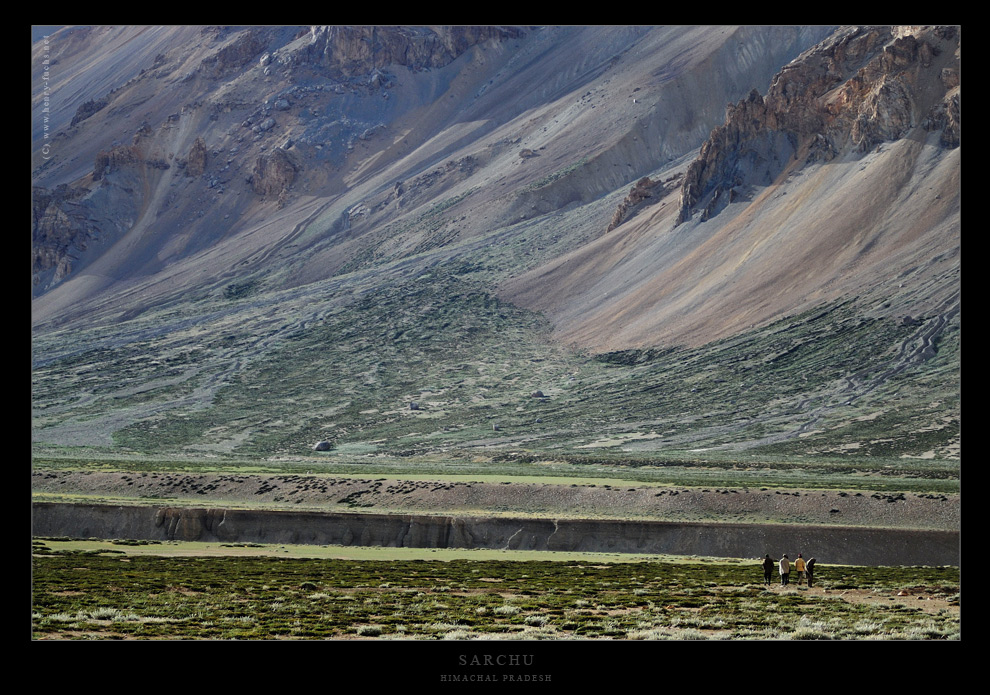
(854, 91)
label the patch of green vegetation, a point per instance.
(100, 379)
(827, 394)
(557, 175)
(399, 345)
(239, 290)
(150, 597)
(126, 541)
(433, 228)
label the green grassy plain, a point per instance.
(130, 590)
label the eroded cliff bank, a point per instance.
(830, 544)
(471, 498)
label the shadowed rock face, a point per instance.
(59, 224)
(861, 87)
(187, 94)
(196, 162)
(831, 545)
(359, 50)
(273, 174)
(528, 500)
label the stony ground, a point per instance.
(925, 601)
(745, 505)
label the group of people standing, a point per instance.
(805, 570)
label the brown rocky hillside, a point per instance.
(248, 239)
(843, 180)
(320, 140)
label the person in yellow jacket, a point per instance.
(799, 568)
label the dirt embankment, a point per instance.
(839, 544)
(328, 493)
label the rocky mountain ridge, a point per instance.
(209, 200)
(858, 89)
(325, 96)
(346, 60)
(821, 174)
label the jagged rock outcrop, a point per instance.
(273, 174)
(68, 219)
(59, 226)
(427, 177)
(944, 116)
(359, 50)
(241, 51)
(645, 190)
(109, 161)
(387, 151)
(196, 161)
(88, 109)
(861, 87)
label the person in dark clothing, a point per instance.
(809, 569)
(767, 570)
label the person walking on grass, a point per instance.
(785, 570)
(809, 570)
(799, 568)
(767, 569)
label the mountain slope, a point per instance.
(552, 239)
(357, 148)
(817, 210)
